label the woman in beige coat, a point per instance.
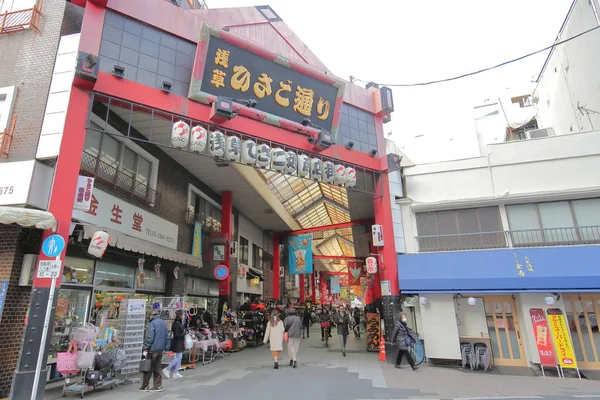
(274, 334)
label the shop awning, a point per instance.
(27, 217)
(125, 242)
(254, 273)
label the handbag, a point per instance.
(146, 365)
(85, 358)
(286, 336)
(86, 333)
(66, 363)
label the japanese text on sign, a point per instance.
(49, 269)
(561, 337)
(237, 73)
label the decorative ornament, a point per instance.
(249, 152)
(303, 166)
(316, 169)
(291, 162)
(472, 302)
(263, 156)
(350, 177)
(176, 272)
(98, 244)
(278, 158)
(216, 144)
(141, 262)
(157, 269)
(199, 136)
(180, 135)
(549, 300)
(423, 300)
(234, 149)
(328, 172)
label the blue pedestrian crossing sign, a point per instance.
(53, 246)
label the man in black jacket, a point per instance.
(306, 322)
(342, 320)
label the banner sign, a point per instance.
(300, 255)
(542, 337)
(197, 241)
(374, 329)
(357, 291)
(562, 338)
(343, 293)
(335, 284)
(355, 271)
(83, 193)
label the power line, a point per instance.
(485, 69)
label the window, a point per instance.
(243, 257)
(474, 228)
(203, 209)
(257, 257)
(112, 275)
(562, 222)
(78, 271)
(150, 282)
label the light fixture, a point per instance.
(166, 87)
(312, 140)
(118, 71)
(349, 145)
(373, 152)
(90, 61)
(222, 110)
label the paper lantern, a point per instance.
(291, 162)
(233, 149)
(263, 156)
(180, 135)
(549, 300)
(339, 176)
(423, 300)
(198, 138)
(249, 152)
(316, 169)
(472, 301)
(371, 263)
(141, 262)
(303, 166)
(216, 144)
(278, 159)
(350, 178)
(328, 172)
(98, 244)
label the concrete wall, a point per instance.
(470, 320)
(254, 234)
(439, 327)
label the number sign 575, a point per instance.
(6, 190)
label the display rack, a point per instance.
(132, 318)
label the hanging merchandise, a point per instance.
(291, 162)
(278, 158)
(350, 177)
(340, 175)
(303, 166)
(141, 262)
(249, 152)
(98, 244)
(233, 151)
(328, 172)
(216, 144)
(198, 139)
(180, 135)
(157, 269)
(263, 156)
(176, 272)
(316, 169)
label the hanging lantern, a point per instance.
(371, 265)
(472, 301)
(198, 139)
(98, 244)
(216, 144)
(180, 135)
(350, 178)
(549, 300)
(157, 269)
(278, 159)
(263, 156)
(249, 152)
(291, 162)
(234, 148)
(423, 300)
(176, 272)
(316, 169)
(141, 262)
(339, 176)
(242, 271)
(303, 166)
(328, 172)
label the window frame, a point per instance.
(244, 251)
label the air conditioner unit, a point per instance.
(411, 301)
(540, 133)
(28, 269)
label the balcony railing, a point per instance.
(505, 239)
(119, 180)
(20, 20)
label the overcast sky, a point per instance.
(401, 41)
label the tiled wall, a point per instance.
(149, 55)
(357, 126)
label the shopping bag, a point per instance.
(188, 342)
(86, 333)
(85, 358)
(285, 336)
(66, 363)
(146, 365)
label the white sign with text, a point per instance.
(109, 212)
(83, 193)
(49, 269)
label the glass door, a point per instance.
(582, 315)
(504, 331)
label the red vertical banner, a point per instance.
(543, 337)
(355, 272)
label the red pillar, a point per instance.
(302, 290)
(226, 215)
(387, 261)
(276, 268)
(313, 285)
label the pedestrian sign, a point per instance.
(49, 269)
(53, 246)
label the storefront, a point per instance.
(202, 293)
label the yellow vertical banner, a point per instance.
(197, 242)
(561, 338)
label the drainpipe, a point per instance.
(489, 164)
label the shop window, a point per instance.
(113, 275)
(150, 282)
(202, 209)
(71, 312)
(78, 271)
(243, 256)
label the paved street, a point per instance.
(325, 374)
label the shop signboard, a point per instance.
(83, 193)
(3, 290)
(374, 329)
(109, 212)
(241, 71)
(197, 240)
(219, 252)
(543, 339)
(300, 254)
(561, 338)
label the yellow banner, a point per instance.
(357, 291)
(561, 338)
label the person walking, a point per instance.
(274, 335)
(294, 329)
(325, 324)
(306, 322)
(403, 338)
(177, 347)
(154, 345)
(342, 320)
